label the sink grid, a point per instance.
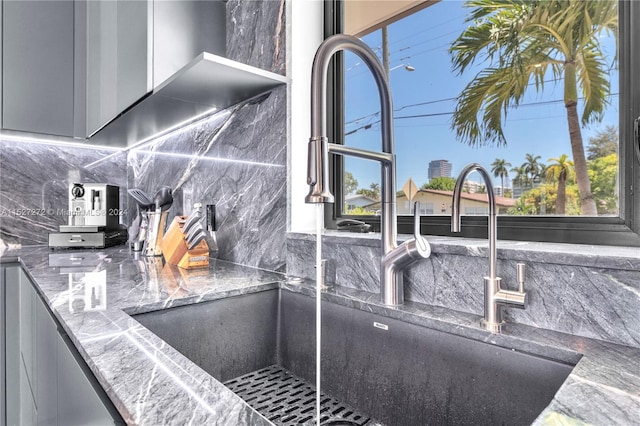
(285, 399)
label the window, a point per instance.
(531, 154)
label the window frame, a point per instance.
(623, 230)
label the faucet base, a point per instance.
(494, 327)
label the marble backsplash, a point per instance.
(34, 186)
(595, 295)
(256, 34)
(235, 160)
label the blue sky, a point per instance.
(421, 40)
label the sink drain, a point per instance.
(286, 399)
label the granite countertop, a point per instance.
(151, 383)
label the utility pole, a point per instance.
(385, 50)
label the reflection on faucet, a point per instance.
(394, 258)
(495, 298)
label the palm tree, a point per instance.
(560, 170)
(521, 176)
(531, 167)
(524, 42)
(499, 168)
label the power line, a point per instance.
(455, 18)
(399, 109)
(439, 114)
(450, 99)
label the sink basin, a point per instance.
(376, 367)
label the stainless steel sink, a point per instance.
(395, 372)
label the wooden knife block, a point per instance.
(176, 252)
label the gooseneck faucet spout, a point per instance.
(393, 258)
(495, 298)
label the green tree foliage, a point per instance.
(521, 179)
(500, 169)
(560, 171)
(604, 143)
(441, 183)
(372, 192)
(359, 211)
(542, 200)
(350, 183)
(532, 168)
(525, 43)
(603, 172)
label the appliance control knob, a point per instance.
(78, 190)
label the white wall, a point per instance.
(304, 35)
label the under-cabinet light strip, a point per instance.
(199, 157)
(47, 141)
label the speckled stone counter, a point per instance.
(151, 383)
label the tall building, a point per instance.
(439, 168)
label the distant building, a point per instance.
(520, 188)
(474, 187)
(439, 202)
(498, 190)
(358, 200)
(439, 168)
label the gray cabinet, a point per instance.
(38, 66)
(47, 382)
(2, 345)
(119, 47)
(45, 361)
(78, 403)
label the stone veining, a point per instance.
(597, 302)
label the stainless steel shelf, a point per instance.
(207, 83)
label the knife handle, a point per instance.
(211, 217)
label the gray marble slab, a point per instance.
(151, 383)
(34, 185)
(256, 33)
(581, 290)
(235, 160)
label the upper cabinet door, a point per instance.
(119, 58)
(38, 66)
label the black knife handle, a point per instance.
(211, 217)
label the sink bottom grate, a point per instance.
(286, 399)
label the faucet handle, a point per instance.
(421, 243)
(416, 219)
(520, 268)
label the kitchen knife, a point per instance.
(192, 219)
(195, 229)
(198, 238)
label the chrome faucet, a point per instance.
(495, 298)
(394, 258)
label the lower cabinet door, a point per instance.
(46, 362)
(44, 379)
(78, 401)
